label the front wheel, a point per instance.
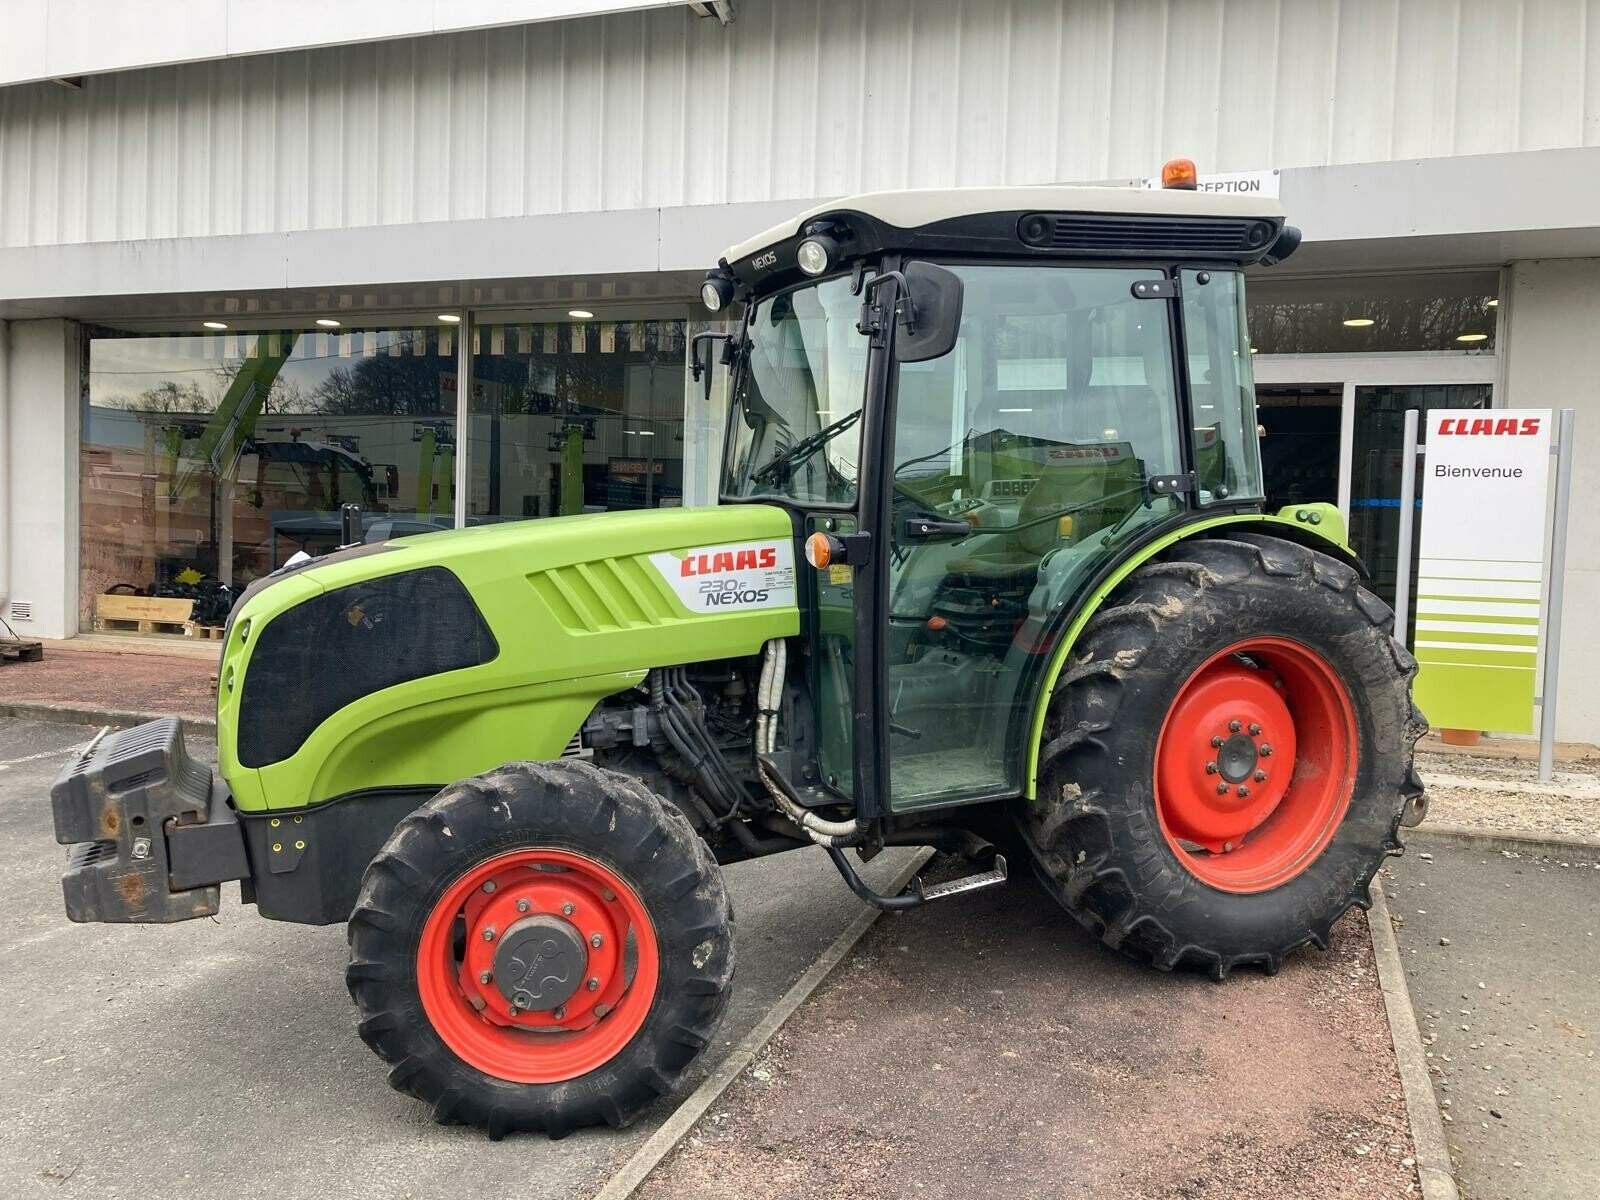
(540, 948)
(1227, 757)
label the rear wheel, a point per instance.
(1227, 756)
(543, 947)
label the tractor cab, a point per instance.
(975, 404)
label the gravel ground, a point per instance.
(989, 1044)
(1505, 794)
(120, 682)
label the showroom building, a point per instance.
(259, 260)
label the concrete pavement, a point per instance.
(1502, 954)
(220, 1057)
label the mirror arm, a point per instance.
(873, 320)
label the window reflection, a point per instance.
(207, 461)
(1441, 311)
(576, 416)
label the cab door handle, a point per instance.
(930, 528)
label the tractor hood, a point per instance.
(426, 659)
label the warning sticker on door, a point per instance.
(731, 578)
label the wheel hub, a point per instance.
(1236, 761)
(539, 963)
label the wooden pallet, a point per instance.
(17, 650)
(142, 628)
(204, 633)
(160, 610)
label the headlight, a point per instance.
(716, 292)
(816, 254)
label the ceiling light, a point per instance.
(327, 322)
(1016, 410)
(1253, 350)
(1359, 322)
(582, 314)
(213, 324)
(450, 318)
(644, 433)
(1472, 337)
(1494, 303)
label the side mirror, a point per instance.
(930, 314)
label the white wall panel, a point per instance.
(797, 99)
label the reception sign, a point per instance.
(1481, 575)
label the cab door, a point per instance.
(1020, 465)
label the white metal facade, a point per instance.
(660, 108)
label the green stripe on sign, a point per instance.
(1473, 697)
(1477, 618)
(1421, 596)
(1428, 636)
(1508, 657)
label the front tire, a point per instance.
(543, 947)
(1227, 756)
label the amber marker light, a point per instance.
(1180, 173)
(819, 550)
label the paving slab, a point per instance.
(989, 1045)
(1502, 954)
(147, 683)
(219, 1057)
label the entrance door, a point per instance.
(1376, 467)
(1299, 442)
(1361, 430)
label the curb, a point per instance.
(1521, 841)
(68, 714)
(627, 1178)
(1434, 1169)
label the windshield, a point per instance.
(796, 424)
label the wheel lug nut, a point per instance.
(608, 894)
(567, 910)
(514, 1010)
(1234, 726)
(1211, 768)
(601, 1010)
(1227, 847)
(1216, 743)
(1243, 791)
(488, 885)
(485, 977)
(596, 940)
(1222, 789)
(1261, 776)
(488, 934)
(560, 1012)
(1255, 731)
(523, 905)
(594, 983)
(1266, 750)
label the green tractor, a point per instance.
(992, 573)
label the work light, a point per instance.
(816, 254)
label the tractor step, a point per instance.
(918, 893)
(967, 883)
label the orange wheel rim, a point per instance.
(538, 966)
(1256, 764)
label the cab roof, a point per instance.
(1107, 222)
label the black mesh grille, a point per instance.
(1092, 233)
(349, 643)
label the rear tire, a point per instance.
(1216, 643)
(543, 875)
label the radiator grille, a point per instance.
(604, 595)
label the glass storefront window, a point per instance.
(574, 416)
(208, 460)
(1368, 314)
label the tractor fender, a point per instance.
(1318, 527)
